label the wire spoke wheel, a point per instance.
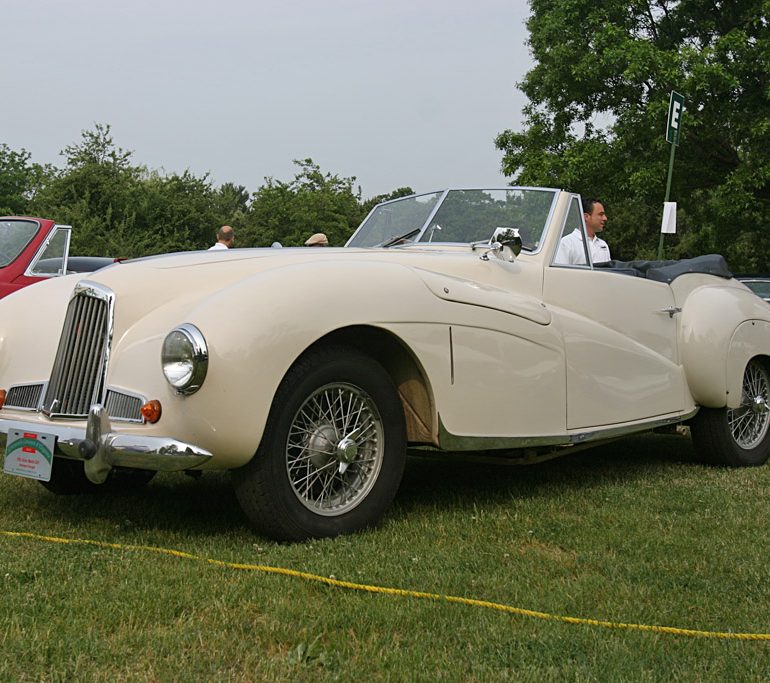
(333, 452)
(749, 423)
(334, 449)
(738, 437)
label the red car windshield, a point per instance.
(14, 237)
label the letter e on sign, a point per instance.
(675, 108)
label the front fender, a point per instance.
(721, 329)
(255, 330)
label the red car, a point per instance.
(33, 249)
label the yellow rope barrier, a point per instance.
(399, 592)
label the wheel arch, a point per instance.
(403, 367)
(749, 341)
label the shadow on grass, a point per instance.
(169, 503)
(648, 456)
(207, 506)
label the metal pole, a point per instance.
(668, 191)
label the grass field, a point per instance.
(634, 532)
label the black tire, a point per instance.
(68, 477)
(333, 452)
(739, 437)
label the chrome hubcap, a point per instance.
(749, 422)
(334, 449)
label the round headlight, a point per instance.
(185, 358)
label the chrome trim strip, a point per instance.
(36, 408)
(119, 394)
(102, 449)
(200, 358)
(452, 442)
(624, 430)
(92, 290)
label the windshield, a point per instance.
(392, 219)
(473, 215)
(462, 216)
(14, 237)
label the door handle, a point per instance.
(671, 310)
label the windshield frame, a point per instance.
(32, 267)
(416, 239)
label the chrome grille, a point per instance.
(25, 396)
(77, 378)
(122, 406)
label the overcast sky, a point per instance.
(394, 92)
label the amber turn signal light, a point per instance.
(3, 394)
(151, 411)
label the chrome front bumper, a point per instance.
(101, 449)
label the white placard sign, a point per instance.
(29, 454)
(668, 225)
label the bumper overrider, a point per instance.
(101, 449)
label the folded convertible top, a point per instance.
(668, 271)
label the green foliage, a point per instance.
(20, 180)
(369, 204)
(289, 212)
(596, 118)
(120, 208)
(98, 191)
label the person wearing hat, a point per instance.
(317, 240)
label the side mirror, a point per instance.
(505, 243)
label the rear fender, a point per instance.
(721, 329)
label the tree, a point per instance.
(289, 212)
(369, 204)
(595, 121)
(119, 208)
(98, 192)
(20, 180)
(182, 211)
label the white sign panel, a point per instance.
(29, 454)
(668, 225)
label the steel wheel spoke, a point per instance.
(749, 423)
(334, 448)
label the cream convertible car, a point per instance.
(444, 324)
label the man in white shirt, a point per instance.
(571, 246)
(225, 238)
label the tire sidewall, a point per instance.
(365, 374)
(716, 443)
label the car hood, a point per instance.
(195, 273)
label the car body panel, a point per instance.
(485, 352)
(711, 318)
(759, 284)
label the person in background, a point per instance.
(225, 238)
(317, 240)
(571, 246)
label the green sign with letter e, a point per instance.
(675, 108)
